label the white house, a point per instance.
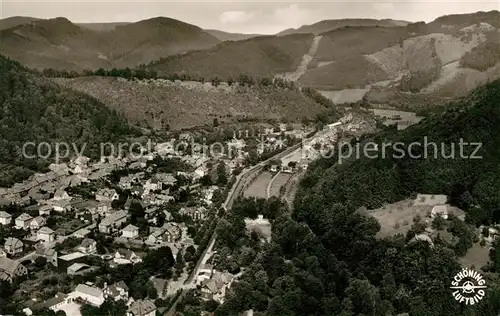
(106, 195)
(89, 294)
(117, 291)
(5, 218)
(23, 221)
(125, 256)
(205, 273)
(167, 179)
(45, 209)
(37, 223)
(152, 185)
(61, 195)
(55, 303)
(45, 234)
(199, 173)
(88, 246)
(130, 231)
(112, 221)
(440, 210)
(61, 206)
(156, 237)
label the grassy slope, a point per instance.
(346, 42)
(351, 72)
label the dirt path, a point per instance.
(268, 189)
(306, 59)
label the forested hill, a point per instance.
(372, 182)
(34, 110)
(326, 260)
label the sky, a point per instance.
(263, 17)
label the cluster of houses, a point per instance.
(213, 284)
(52, 194)
(94, 296)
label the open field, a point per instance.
(397, 218)
(476, 257)
(259, 187)
(388, 115)
(280, 180)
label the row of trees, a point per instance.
(147, 73)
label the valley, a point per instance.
(247, 162)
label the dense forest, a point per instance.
(33, 110)
(324, 259)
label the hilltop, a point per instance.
(446, 58)
(161, 103)
(147, 40)
(330, 25)
(226, 36)
(60, 44)
(259, 56)
(34, 110)
(383, 62)
(102, 27)
(13, 21)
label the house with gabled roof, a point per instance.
(215, 287)
(23, 221)
(130, 231)
(45, 209)
(37, 223)
(5, 218)
(13, 246)
(117, 291)
(61, 206)
(45, 234)
(113, 221)
(142, 308)
(61, 195)
(126, 256)
(167, 179)
(89, 294)
(173, 233)
(88, 246)
(10, 269)
(106, 195)
(54, 304)
(196, 213)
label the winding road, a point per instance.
(234, 192)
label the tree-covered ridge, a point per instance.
(325, 259)
(34, 110)
(473, 184)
